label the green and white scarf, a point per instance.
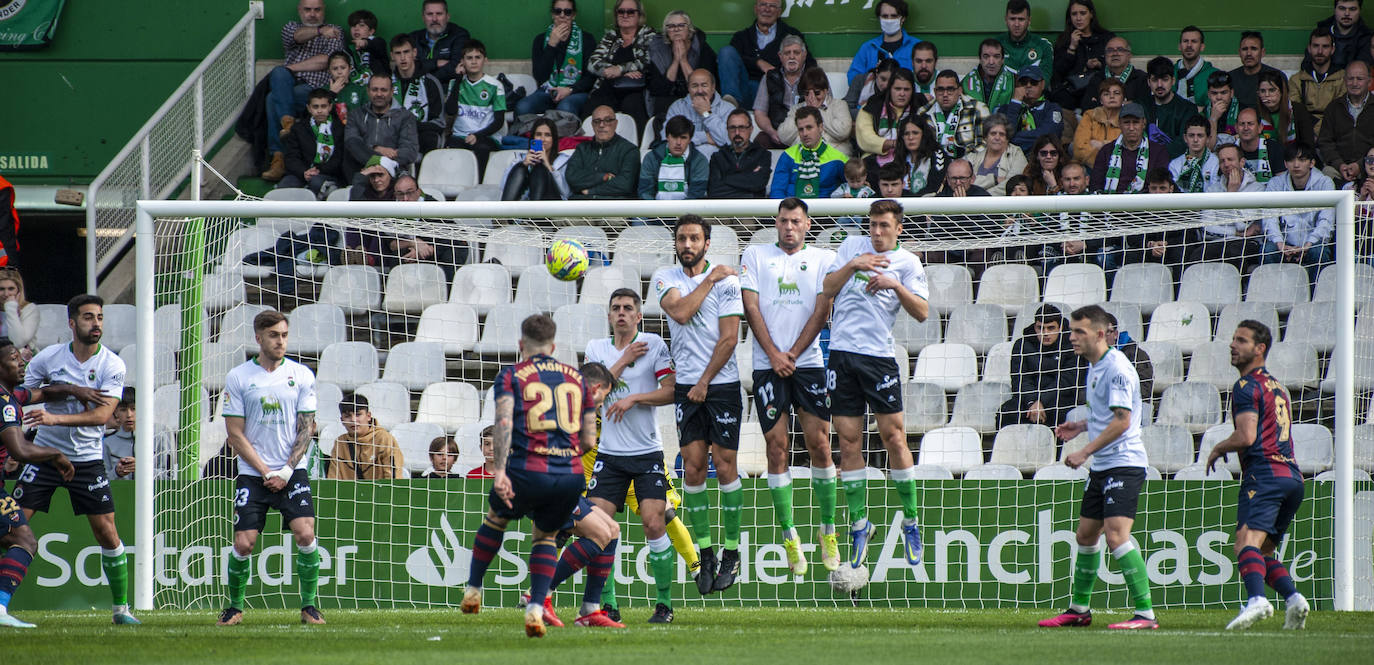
(1001, 88)
(324, 141)
(1262, 171)
(917, 175)
(1125, 73)
(1190, 176)
(1028, 115)
(570, 69)
(1142, 164)
(411, 96)
(946, 124)
(1232, 114)
(809, 171)
(672, 177)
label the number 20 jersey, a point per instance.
(550, 401)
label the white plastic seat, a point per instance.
(831, 237)
(1363, 367)
(469, 440)
(415, 365)
(448, 171)
(314, 326)
(950, 366)
(289, 194)
(167, 406)
(752, 459)
(1143, 284)
(1313, 447)
(450, 405)
(647, 136)
(1010, 285)
(955, 448)
(600, 282)
(1214, 285)
(355, 289)
(1364, 447)
(950, 286)
(839, 84)
(1279, 284)
(1364, 284)
(481, 286)
(498, 162)
(724, 248)
(216, 359)
(388, 402)
(625, 126)
(578, 325)
(244, 241)
(120, 328)
(767, 235)
(164, 364)
(1233, 314)
(1128, 318)
(1198, 471)
(348, 364)
(1076, 285)
(744, 360)
(479, 193)
(341, 194)
(222, 290)
(413, 440)
(773, 156)
(543, 291)
(501, 331)
(914, 335)
(236, 327)
(52, 326)
(903, 360)
(516, 248)
(979, 326)
(643, 248)
(1024, 447)
(1294, 364)
(930, 472)
(1186, 324)
(1169, 447)
(976, 405)
(992, 472)
(1312, 323)
(1329, 476)
(1061, 472)
(1214, 435)
(1196, 406)
(924, 407)
(327, 398)
(411, 287)
(167, 325)
(451, 325)
(1211, 364)
(593, 239)
(997, 366)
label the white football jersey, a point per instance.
(862, 321)
(268, 402)
(637, 432)
(787, 285)
(694, 341)
(1113, 383)
(103, 371)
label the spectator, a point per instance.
(956, 118)
(366, 451)
(379, 174)
(1163, 247)
(1079, 53)
(991, 82)
(365, 246)
(488, 468)
(1013, 225)
(1234, 242)
(780, 92)
(620, 63)
(367, 53)
(606, 167)
(1350, 36)
(1107, 253)
(740, 171)
(1223, 108)
(1101, 125)
(705, 109)
(1022, 48)
(894, 42)
(837, 124)
(855, 182)
(1347, 133)
(811, 167)
(418, 91)
(477, 108)
(1276, 112)
(1119, 67)
(448, 252)
(958, 181)
(1317, 84)
(754, 51)
(998, 160)
(1304, 237)
(1196, 168)
(307, 44)
(118, 443)
(1144, 370)
(540, 174)
(922, 162)
(1045, 164)
(859, 96)
(673, 56)
(1120, 167)
(440, 42)
(1166, 112)
(560, 55)
(1364, 193)
(1031, 115)
(1045, 373)
(875, 128)
(1245, 78)
(892, 182)
(1191, 72)
(346, 91)
(21, 317)
(443, 454)
(382, 129)
(313, 155)
(673, 171)
(1263, 157)
(924, 57)
(1363, 187)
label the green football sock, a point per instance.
(856, 493)
(239, 572)
(116, 565)
(661, 563)
(308, 572)
(780, 486)
(698, 506)
(731, 510)
(608, 592)
(906, 491)
(1084, 576)
(823, 485)
(1137, 579)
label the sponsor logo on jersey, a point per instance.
(788, 288)
(269, 405)
(11, 413)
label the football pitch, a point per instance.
(774, 636)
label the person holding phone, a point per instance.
(539, 175)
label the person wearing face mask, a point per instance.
(895, 43)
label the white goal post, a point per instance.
(1344, 572)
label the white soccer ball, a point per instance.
(847, 580)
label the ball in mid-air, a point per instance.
(566, 260)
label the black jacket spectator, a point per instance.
(1050, 374)
(300, 151)
(448, 47)
(740, 175)
(1344, 139)
(592, 161)
(1347, 47)
(1069, 65)
(747, 44)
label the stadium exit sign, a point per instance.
(25, 162)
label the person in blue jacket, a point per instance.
(894, 43)
(811, 168)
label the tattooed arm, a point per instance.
(305, 430)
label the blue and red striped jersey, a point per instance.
(550, 401)
(1271, 454)
(11, 415)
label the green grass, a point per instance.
(773, 636)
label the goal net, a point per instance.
(983, 379)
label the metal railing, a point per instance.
(158, 158)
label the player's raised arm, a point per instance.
(682, 308)
(22, 450)
(94, 416)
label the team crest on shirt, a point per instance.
(90, 375)
(291, 381)
(1033, 55)
(772, 412)
(803, 266)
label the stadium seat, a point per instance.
(220, 290)
(773, 157)
(1185, 324)
(752, 459)
(1211, 363)
(236, 327)
(1061, 472)
(469, 440)
(950, 366)
(1214, 285)
(167, 325)
(625, 126)
(314, 326)
(415, 365)
(1363, 367)
(647, 137)
(164, 364)
(501, 331)
(244, 241)
(1279, 284)
(52, 326)
(1313, 447)
(1294, 364)
(1024, 447)
(979, 326)
(593, 239)
(289, 194)
(839, 84)
(516, 248)
(450, 405)
(903, 359)
(348, 364)
(498, 162)
(326, 433)
(1128, 319)
(1169, 447)
(1312, 323)
(1364, 284)
(831, 237)
(448, 171)
(601, 281)
(1076, 285)
(767, 235)
(725, 249)
(327, 398)
(450, 324)
(482, 286)
(543, 291)
(217, 358)
(976, 405)
(950, 286)
(342, 194)
(667, 430)
(413, 440)
(167, 406)
(1143, 284)
(1010, 285)
(1329, 476)
(1198, 471)
(478, 193)
(1364, 447)
(1233, 314)
(1214, 435)
(355, 289)
(1152, 473)
(644, 248)
(997, 367)
(931, 472)
(1196, 406)
(744, 361)
(992, 472)
(411, 287)
(388, 402)
(955, 448)
(914, 335)
(120, 328)
(924, 407)
(580, 324)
